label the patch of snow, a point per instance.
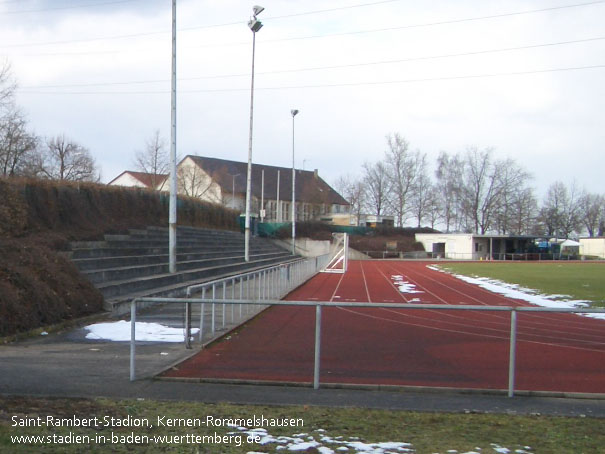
(145, 332)
(404, 286)
(339, 444)
(326, 444)
(531, 296)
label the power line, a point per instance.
(317, 68)
(338, 85)
(429, 24)
(61, 8)
(433, 24)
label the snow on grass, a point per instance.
(404, 286)
(529, 295)
(320, 441)
(145, 332)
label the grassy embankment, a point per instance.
(581, 281)
(38, 218)
(426, 432)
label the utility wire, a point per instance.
(62, 8)
(351, 84)
(318, 68)
(429, 24)
(433, 24)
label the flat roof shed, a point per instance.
(469, 246)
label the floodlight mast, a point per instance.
(294, 112)
(255, 25)
(172, 208)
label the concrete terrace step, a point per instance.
(127, 249)
(119, 305)
(102, 263)
(125, 266)
(127, 271)
(123, 287)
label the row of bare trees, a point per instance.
(23, 153)
(470, 191)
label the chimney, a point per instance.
(316, 173)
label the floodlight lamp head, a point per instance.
(255, 25)
(256, 10)
(294, 112)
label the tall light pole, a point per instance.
(255, 25)
(293, 112)
(173, 187)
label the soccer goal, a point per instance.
(339, 254)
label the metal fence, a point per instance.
(318, 312)
(272, 283)
(497, 256)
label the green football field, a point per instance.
(584, 281)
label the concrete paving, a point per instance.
(69, 365)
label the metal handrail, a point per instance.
(321, 304)
(280, 280)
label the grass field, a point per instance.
(582, 281)
(322, 431)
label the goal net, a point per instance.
(339, 254)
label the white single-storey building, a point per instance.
(594, 246)
(468, 246)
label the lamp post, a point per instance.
(293, 112)
(172, 207)
(255, 25)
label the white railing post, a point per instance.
(317, 360)
(133, 337)
(202, 311)
(224, 305)
(512, 353)
(213, 308)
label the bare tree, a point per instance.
(449, 188)
(153, 159)
(592, 212)
(514, 190)
(7, 87)
(67, 160)
(376, 184)
(194, 182)
(481, 189)
(18, 147)
(435, 209)
(560, 210)
(422, 191)
(522, 212)
(402, 166)
(352, 189)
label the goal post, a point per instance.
(339, 254)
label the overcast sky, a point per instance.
(522, 77)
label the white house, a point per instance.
(468, 246)
(224, 182)
(133, 179)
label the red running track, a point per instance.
(379, 346)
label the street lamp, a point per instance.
(255, 25)
(293, 112)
